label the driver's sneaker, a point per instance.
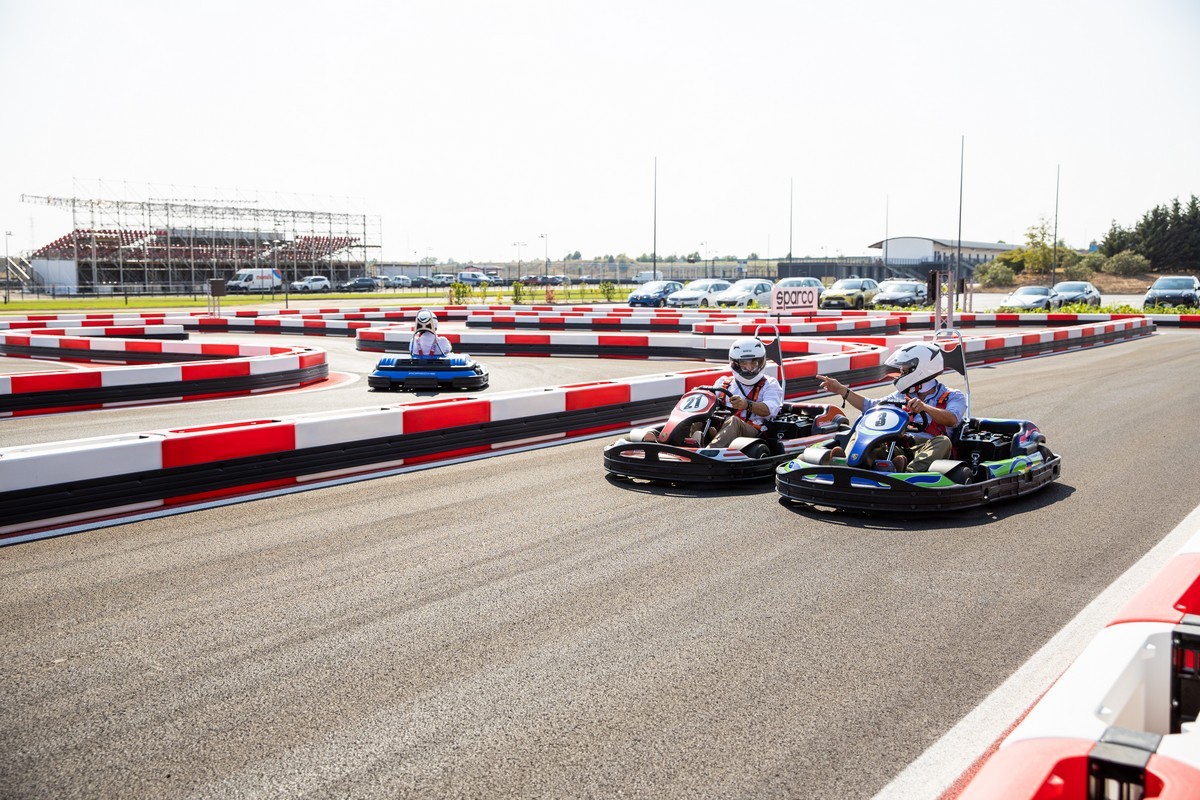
(899, 463)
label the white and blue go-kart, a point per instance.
(992, 460)
(415, 373)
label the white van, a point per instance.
(648, 275)
(473, 278)
(255, 280)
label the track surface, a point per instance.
(523, 626)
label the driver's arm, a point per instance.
(757, 407)
(941, 416)
(834, 386)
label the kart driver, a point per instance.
(936, 408)
(754, 396)
(425, 342)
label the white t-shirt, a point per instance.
(771, 393)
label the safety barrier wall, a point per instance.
(111, 475)
(1121, 720)
(211, 370)
(925, 319)
(118, 475)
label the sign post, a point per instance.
(793, 298)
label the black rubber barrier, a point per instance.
(97, 494)
(101, 395)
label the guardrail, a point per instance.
(123, 474)
(1121, 721)
(117, 475)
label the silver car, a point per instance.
(745, 292)
(698, 293)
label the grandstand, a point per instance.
(177, 245)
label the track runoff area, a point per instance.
(1016, 699)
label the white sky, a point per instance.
(469, 125)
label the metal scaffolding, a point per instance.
(169, 243)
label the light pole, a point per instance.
(275, 250)
(546, 254)
(518, 245)
(7, 266)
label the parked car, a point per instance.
(1077, 292)
(398, 282)
(901, 293)
(744, 292)
(653, 293)
(313, 283)
(363, 284)
(697, 294)
(850, 293)
(1173, 290)
(422, 281)
(443, 279)
(532, 280)
(472, 278)
(1032, 298)
(797, 283)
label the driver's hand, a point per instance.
(738, 402)
(916, 405)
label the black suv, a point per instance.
(358, 285)
(1170, 290)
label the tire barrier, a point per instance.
(1121, 721)
(210, 370)
(925, 319)
(115, 476)
(124, 474)
(980, 350)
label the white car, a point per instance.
(398, 282)
(313, 283)
(697, 294)
(745, 292)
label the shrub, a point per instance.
(608, 291)
(1079, 271)
(460, 292)
(1126, 263)
(518, 293)
(994, 274)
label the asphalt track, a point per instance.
(522, 626)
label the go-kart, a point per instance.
(993, 459)
(676, 452)
(409, 373)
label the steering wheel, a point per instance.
(716, 415)
(911, 426)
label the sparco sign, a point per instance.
(794, 298)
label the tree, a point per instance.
(1116, 240)
(1039, 255)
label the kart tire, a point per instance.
(757, 449)
(957, 471)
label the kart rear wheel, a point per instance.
(757, 450)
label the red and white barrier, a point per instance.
(1122, 716)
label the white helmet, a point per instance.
(425, 321)
(918, 363)
(748, 360)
